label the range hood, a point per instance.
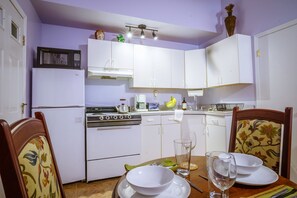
(109, 72)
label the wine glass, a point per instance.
(222, 170)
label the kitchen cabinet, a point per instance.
(150, 138)
(178, 69)
(151, 67)
(195, 69)
(156, 67)
(195, 124)
(108, 56)
(171, 130)
(230, 61)
(158, 133)
(217, 132)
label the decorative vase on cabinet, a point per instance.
(230, 20)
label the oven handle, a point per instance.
(113, 127)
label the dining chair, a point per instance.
(264, 133)
(28, 166)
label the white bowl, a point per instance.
(247, 164)
(150, 180)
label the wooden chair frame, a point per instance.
(284, 118)
(12, 140)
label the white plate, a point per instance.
(179, 188)
(262, 176)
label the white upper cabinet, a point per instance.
(108, 54)
(156, 67)
(195, 69)
(143, 67)
(230, 61)
(178, 69)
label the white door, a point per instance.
(12, 64)
(276, 75)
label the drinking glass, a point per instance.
(182, 149)
(191, 136)
(221, 167)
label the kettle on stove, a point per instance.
(122, 108)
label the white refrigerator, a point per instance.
(60, 95)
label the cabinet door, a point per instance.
(195, 69)
(143, 70)
(195, 124)
(122, 55)
(178, 69)
(162, 67)
(215, 138)
(150, 143)
(99, 53)
(170, 132)
(230, 61)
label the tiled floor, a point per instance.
(96, 189)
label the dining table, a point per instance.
(199, 178)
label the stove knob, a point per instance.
(107, 117)
(121, 117)
(100, 118)
(115, 117)
(129, 116)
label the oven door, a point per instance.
(110, 148)
(115, 141)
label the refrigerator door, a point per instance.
(58, 87)
(66, 128)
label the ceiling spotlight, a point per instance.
(129, 33)
(154, 35)
(143, 28)
(142, 36)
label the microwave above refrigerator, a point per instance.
(58, 58)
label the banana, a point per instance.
(171, 103)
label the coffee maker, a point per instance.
(140, 103)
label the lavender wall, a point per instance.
(33, 39)
(253, 17)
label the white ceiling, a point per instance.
(64, 15)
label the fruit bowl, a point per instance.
(150, 180)
(171, 104)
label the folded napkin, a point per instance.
(277, 192)
(178, 115)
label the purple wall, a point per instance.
(33, 39)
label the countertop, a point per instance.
(187, 112)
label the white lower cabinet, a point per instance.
(195, 124)
(217, 133)
(158, 133)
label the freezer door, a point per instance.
(66, 129)
(58, 87)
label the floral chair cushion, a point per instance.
(38, 170)
(260, 138)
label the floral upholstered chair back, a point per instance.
(38, 169)
(260, 138)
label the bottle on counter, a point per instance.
(184, 104)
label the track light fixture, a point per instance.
(143, 28)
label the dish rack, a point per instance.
(228, 106)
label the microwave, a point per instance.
(58, 58)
